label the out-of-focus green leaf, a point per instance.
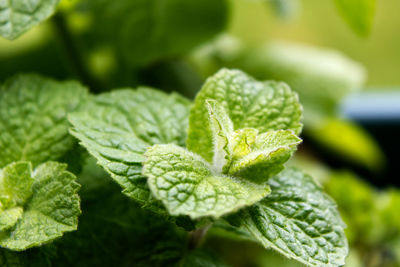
(348, 140)
(287, 9)
(145, 31)
(372, 218)
(200, 258)
(10, 258)
(320, 77)
(358, 14)
(16, 17)
(355, 200)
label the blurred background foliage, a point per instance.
(324, 49)
(318, 23)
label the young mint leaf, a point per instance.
(186, 185)
(245, 152)
(249, 104)
(266, 155)
(19, 16)
(51, 209)
(117, 127)
(33, 124)
(358, 14)
(9, 217)
(298, 220)
(222, 130)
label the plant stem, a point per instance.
(76, 59)
(196, 237)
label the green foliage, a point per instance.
(298, 220)
(39, 205)
(321, 78)
(239, 164)
(249, 103)
(116, 128)
(349, 140)
(145, 31)
(358, 14)
(217, 162)
(16, 17)
(371, 216)
(10, 259)
(38, 197)
(38, 106)
(186, 184)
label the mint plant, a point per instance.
(207, 175)
(38, 196)
(229, 167)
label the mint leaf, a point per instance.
(33, 124)
(19, 16)
(265, 156)
(16, 184)
(298, 220)
(117, 128)
(186, 185)
(245, 152)
(51, 209)
(358, 14)
(9, 217)
(222, 130)
(249, 104)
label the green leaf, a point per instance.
(147, 31)
(249, 104)
(222, 130)
(186, 185)
(349, 141)
(357, 203)
(16, 184)
(33, 123)
(117, 128)
(244, 152)
(16, 17)
(286, 9)
(298, 220)
(9, 217)
(358, 14)
(52, 209)
(266, 155)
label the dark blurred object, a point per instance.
(378, 112)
